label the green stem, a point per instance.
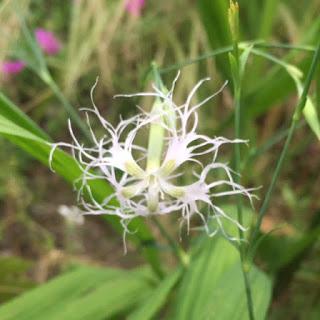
(294, 121)
(180, 254)
(236, 74)
(46, 77)
(237, 151)
(244, 268)
(223, 50)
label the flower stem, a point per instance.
(244, 268)
(180, 254)
(46, 77)
(234, 59)
(294, 122)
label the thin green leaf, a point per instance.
(223, 50)
(244, 59)
(118, 294)
(275, 86)
(10, 111)
(205, 56)
(9, 128)
(311, 115)
(59, 291)
(156, 299)
(85, 293)
(309, 111)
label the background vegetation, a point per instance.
(101, 38)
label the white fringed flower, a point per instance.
(145, 179)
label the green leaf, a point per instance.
(213, 286)
(11, 112)
(157, 298)
(9, 128)
(309, 111)
(275, 86)
(84, 293)
(311, 115)
(228, 296)
(22, 131)
(244, 59)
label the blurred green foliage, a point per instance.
(13, 277)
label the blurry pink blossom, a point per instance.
(134, 7)
(47, 41)
(12, 66)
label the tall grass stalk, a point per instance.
(294, 122)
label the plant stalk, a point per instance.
(66, 104)
(234, 59)
(244, 267)
(180, 254)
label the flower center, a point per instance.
(153, 193)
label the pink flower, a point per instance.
(134, 7)
(12, 66)
(47, 41)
